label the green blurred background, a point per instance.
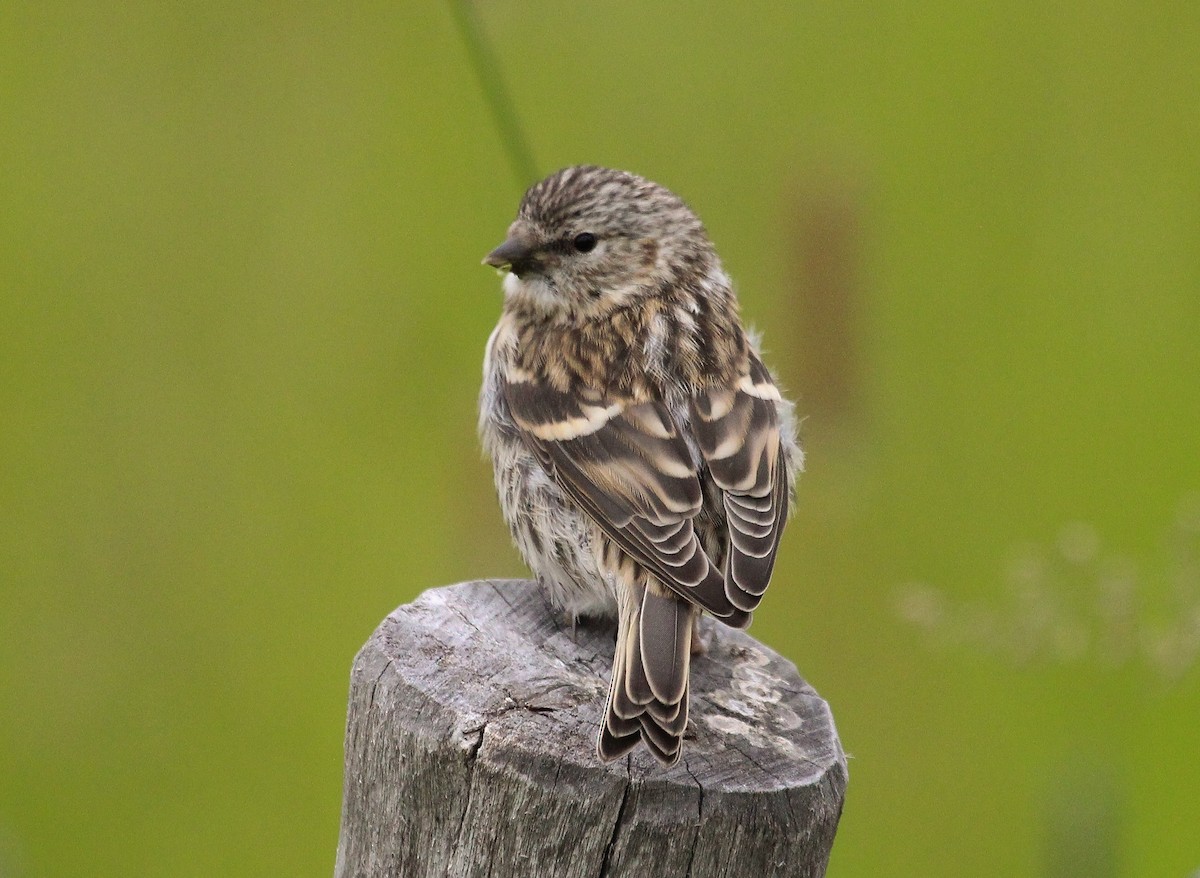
(241, 324)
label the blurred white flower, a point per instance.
(1076, 602)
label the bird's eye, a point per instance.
(584, 242)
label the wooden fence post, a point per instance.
(470, 752)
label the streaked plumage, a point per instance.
(643, 456)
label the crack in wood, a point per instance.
(612, 839)
(699, 819)
(375, 684)
(472, 758)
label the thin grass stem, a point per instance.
(495, 92)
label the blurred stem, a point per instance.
(495, 92)
(1083, 825)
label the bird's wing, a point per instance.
(737, 428)
(627, 466)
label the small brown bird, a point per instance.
(643, 456)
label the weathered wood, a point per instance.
(470, 751)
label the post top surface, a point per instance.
(492, 658)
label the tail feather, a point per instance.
(636, 688)
(666, 734)
(666, 645)
(612, 746)
(648, 694)
(667, 755)
(674, 719)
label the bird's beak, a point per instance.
(515, 254)
(507, 254)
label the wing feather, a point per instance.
(738, 431)
(627, 466)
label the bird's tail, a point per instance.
(648, 695)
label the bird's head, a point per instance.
(588, 239)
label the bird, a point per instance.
(644, 457)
